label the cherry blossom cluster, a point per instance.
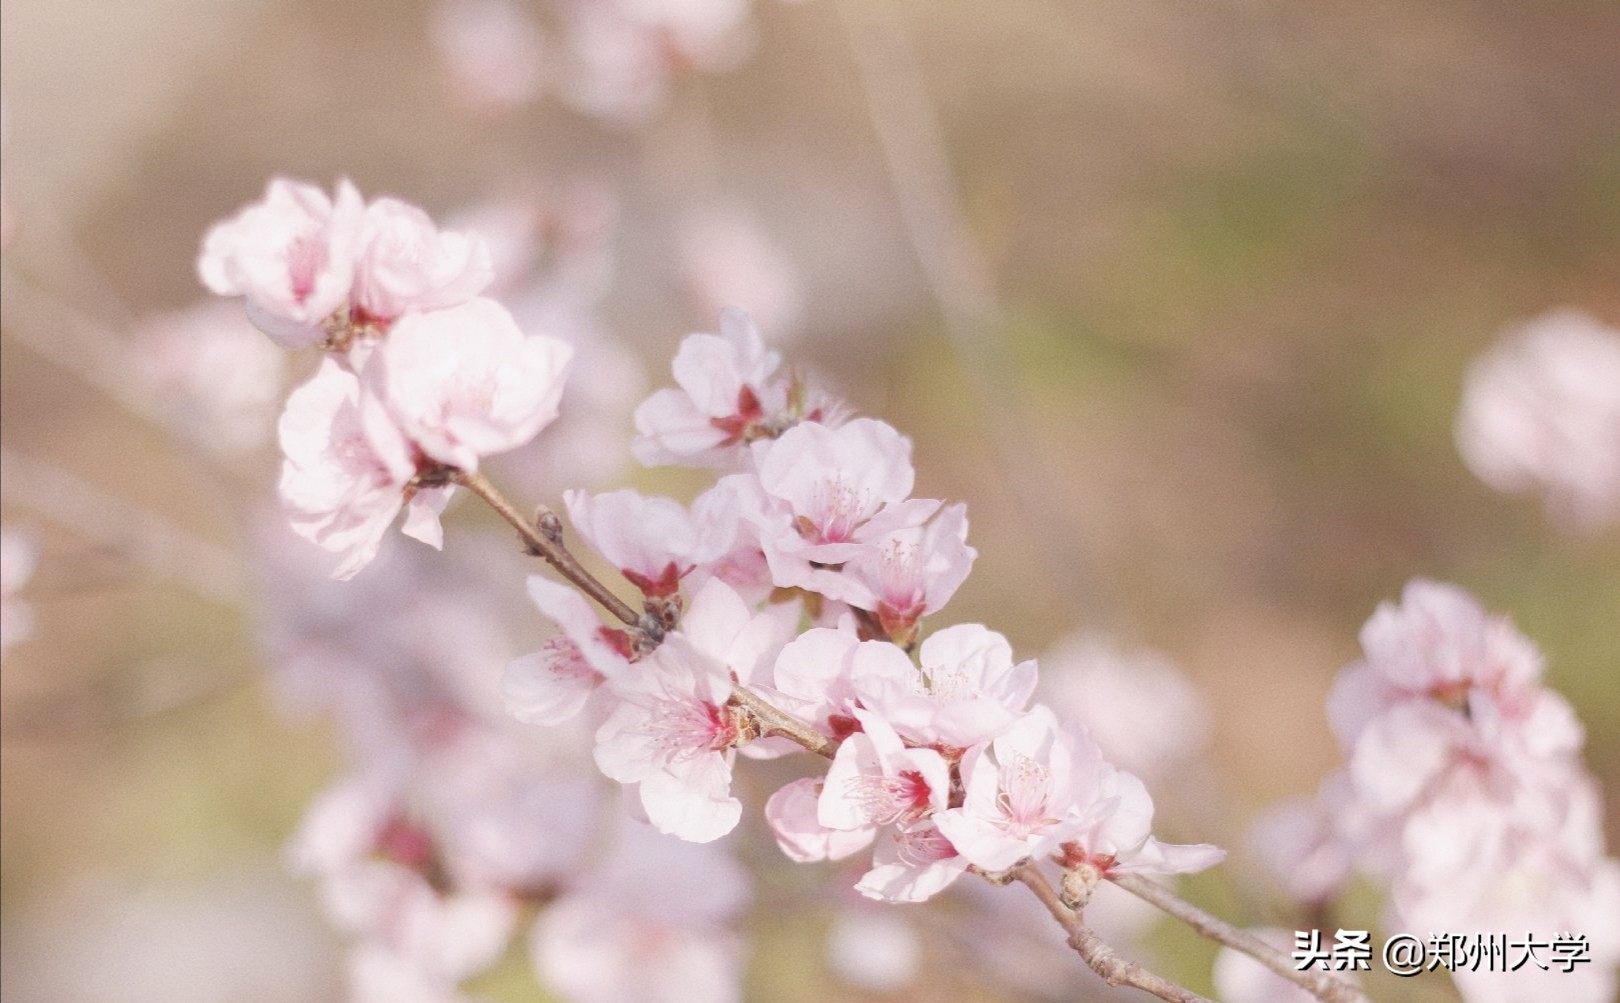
(1541, 412)
(422, 376)
(940, 761)
(452, 823)
(612, 59)
(1464, 792)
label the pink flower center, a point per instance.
(1025, 788)
(887, 800)
(684, 729)
(836, 512)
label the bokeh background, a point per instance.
(1177, 296)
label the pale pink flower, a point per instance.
(493, 51)
(1299, 842)
(346, 471)
(794, 816)
(1117, 835)
(1019, 791)
(465, 382)
(1147, 716)
(672, 731)
(813, 679)
(652, 926)
(291, 255)
(875, 780)
(217, 379)
(654, 542)
(727, 258)
(552, 685)
(911, 862)
(1541, 411)
(826, 496)
(407, 265)
(965, 690)
(18, 555)
(1442, 680)
(732, 392)
(909, 572)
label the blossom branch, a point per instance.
(1102, 959)
(1319, 984)
(781, 724)
(543, 538)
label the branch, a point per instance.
(1319, 984)
(781, 724)
(543, 538)
(1102, 959)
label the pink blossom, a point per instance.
(493, 51)
(727, 258)
(218, 380)
(346, 471)
(407, 265)
(909, 572)
(875, 780)
(654, 542)
(793, 814)
(551, 685)
(1440, 681)
(672, 731)
(911, 862)
(291, 255)
(1541, 411)
(1019, 793)
(732, 392)
(1146, 715)
(651, 926)
(465, 382)
(813, 680)
(966, 689)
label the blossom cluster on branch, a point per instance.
(788, 608)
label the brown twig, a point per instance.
(783, 725)
(1102, 959)
(1319, 984)
(543, 538)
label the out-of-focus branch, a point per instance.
(1319, 984)
(83, 509)
(1102, 959)
(957, 274)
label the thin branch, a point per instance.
(1319, 984)
(783, 725)
(83, 509)
(543, 537)
(1102, 959)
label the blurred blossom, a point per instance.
(622, 54)
(1464, 791)
(1146, 715)
(873, 949)
(216, 377)
(727, 259)
(244, 936)
(494, 51)
(1541, 411)
(651, 924)
(1241, 979)
(18, 555)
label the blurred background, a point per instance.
(1177, 296)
